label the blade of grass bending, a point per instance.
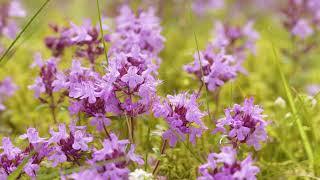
(101, 31)
(202, 74)
(24, 29)
(293, 108)
(15, 174)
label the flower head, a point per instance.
(244, 124)
(224, 165)
(183, 116)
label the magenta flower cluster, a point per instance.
(72, 147)
(183, 116)
(244, 124)
(217, 68)
(224, 165)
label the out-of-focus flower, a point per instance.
(244, 124)
(302, 29)
(280, 102)
(201, 7)
(140, 174)
(224, 165)
(236, 40)
(217, 68)
(183, 116)
(7, 89)
(313, 89)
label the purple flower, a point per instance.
(132, 78)
(57, 157)
(313, 89)
(224, 165)
(201, 7)
(302, 29)
(8, 149)
(33, 136)
(100, 121)
(217, 68)
(183, 116)
(81, 141)
(86, 174)
(244, 124)
(7, 89)
(80, 33)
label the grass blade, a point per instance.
(23, 30)
(101, 31)
(202, 74)
(294, 111)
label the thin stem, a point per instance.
(53, 109)
(201, 69)
(101, 30)
(132, 128)
(106, 131)
(23, 30)
(163, 148)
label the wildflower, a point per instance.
(8, 26)
(183, 116)
(313, 89)
(224, 165)
(113, 149)
(302, 29)
(243, 124)
(44, 82)
(236, 40)
(217, 68)
(142, 31)
(140, 174)
(201, 7)
(85, 38)
(7, 89)
(70, 147)
(280, 102)
(132, 78)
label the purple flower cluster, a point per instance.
(302, 17)
(44, 82)
(217, 68)
(86, 38)
(224, 165)
(236, 40)
(141, 33)
(9, 11)
(7, 89)
(12, 157)
(113, 149)
(243, 124)
(69, 147)
(201, 7)
(183, 117)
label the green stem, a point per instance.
(101, 30)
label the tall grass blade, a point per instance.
(23, 30)
(304, 137)
(101, 31)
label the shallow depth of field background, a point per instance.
(282, 157)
